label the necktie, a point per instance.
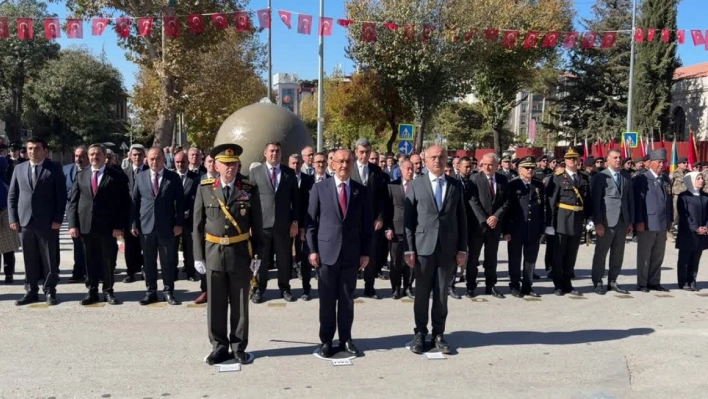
(156, 184)
(438, 193)
(94, 182)
(491, 187)
(227, 193)
(34, 176)
(576, 180)
(405, 188)
(617, 181)
(364, 176)
(343, 198)
(273, 177)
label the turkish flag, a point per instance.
(25, 28)
(242, 22)
(570, 39)
(195, 22)
(263, 18)
(409, 32)
(531, 40)
(551, 39)
(639, 35)
(608, 39)
(74, 29)
(341, 22)
(144, 26)
(172, 26)
(98, 26)
(4, 28)
(491, 34)
(589, 40)
(304, 24)
(510, 38)
(681, 36)
(427, 31)
(326, 26)
(287, 16)
(51, 29)
(650, 34)
(391, 26)
(219, 21)
(123, 27)
(469, 35)
(665, 35)
(368, 32)
(697, 37)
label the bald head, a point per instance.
(181, 163)
(434, 160)
(417, 164)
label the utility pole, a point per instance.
(320, 88)
(630, 95)
(270, 51)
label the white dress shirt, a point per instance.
(161, 174)
(319, 178)
(363, 172)
(100, 173)
(433, 185)
(347, 183)
(269, 170)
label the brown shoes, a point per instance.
(202, 298)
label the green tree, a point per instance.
(20, 62)
(655, 65)
(458, 123)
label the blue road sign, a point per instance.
(405, 147)
(406, 131)
(632, 138)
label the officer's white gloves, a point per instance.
(550, 231)
(200, 266)
(590, 225)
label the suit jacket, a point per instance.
(610, 201)
(693, 213)
(376, 187)
(426, 227)
(70, 172)
(45, 204)
(108, 210)
(528, 213)
(653, 204)
(190, 186)
(396, 206)
(335, 236)
(482, 203)
(158, 214)
(199, 171)
(129, 174)
(281, 207)
(306, 183)
(510, 175)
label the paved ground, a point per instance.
(645, 346)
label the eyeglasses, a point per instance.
(319, 162)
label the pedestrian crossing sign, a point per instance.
(406, 131)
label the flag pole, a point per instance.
(270, 52)
(320, 86)
(630, 95)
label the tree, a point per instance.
(457, 122)
(166, 58)
(79, 93)
(20, 61)
(654, 68)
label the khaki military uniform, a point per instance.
(677, 187)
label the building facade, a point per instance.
(689, 106)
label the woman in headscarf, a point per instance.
(9, 239)
(692, 229)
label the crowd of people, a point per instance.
(340, 216)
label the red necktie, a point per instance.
(156, 184)
(94, 182)
(343, 198)
(491, 188)
(273, 178)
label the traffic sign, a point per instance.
(406, 131)
(124, 146)
(405, 147)
(632, 138)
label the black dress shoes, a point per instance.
(257, 297)
(616, 288)
(453, 293)
(9, 279)
(240, 356)
(149, 298)
(558, 293)
(287, 296)
(396, 294)
(90, 299)
(600, 289)
(442, 345)
(418, 344)
(694, 287)
(27, 299)
(129, 279)
(470, 294)
(371, 295)
(111, 299)
(495, 293)
(658, 288)
(531, 293)
(516, 293)
(642, 289)
(410, 294)
(350, 348)
(218, 356)
(51, 299)
(170, 298)
(325, 350)
(574, 292)
(536, 276)
(305, 296)
(76, 279)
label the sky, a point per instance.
(298, 54)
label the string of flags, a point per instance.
(241, 20)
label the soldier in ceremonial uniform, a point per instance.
(224, 213)
(524, 222)
(569, 197)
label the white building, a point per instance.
(689, 105)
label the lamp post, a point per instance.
(320, 88)
(630, 95)
(270, 52)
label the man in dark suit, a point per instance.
(339, 227)
(304, 182)
(98, 214)
(78, 274)
(436, 237)
(36, 203)
(133, 250)
(654, 218)
(489, 203)
(382, 247)
(370, 175)
(158, 217)
(190, 184)
(195, 161)
(465, 176)
(613, 217)
(505, 168)
(395, 230)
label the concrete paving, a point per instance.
(646, 346)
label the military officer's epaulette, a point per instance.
(560, 172)
(205, 182)
(246, 185)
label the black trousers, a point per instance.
(133, 253)
(550, 247)
(372, 270)
(433, 274)
(226, 289)
(687, 268)
(490, 240)
(278, 244)
(528, 247)
(336, 291)
(565, 254)
(79, 258)
(9, 261)
(98, 251)
(165, 248)
(470, 271)
(40, 248)
(400, 271)
(302, 253)
(382, 251)
(188, 252)
(203, 282)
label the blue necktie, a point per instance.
(438, 193)
(617, 181)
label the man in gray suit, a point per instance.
(36, 201)
(436, 234)
(613, 216)
(158, 217)
(653, 218)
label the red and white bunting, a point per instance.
(195, 22)
(74, 29)
(368, 32)
(286, 17)
(589, 39)
(608, 39)
(263, 18)
(551, 39)
(4, 28)
(491, 34)
(219, 21)
(98, 26)
(242, 21)
(25, 28)
(639, 35)
(52, 30)
(304, 24)
(326, 26)
(145, 26)
(510, 38)
(697, 36)
(123, 27)
(570, 39)
(531, 40)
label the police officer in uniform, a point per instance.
(570, 206)
(550, 240)
(524, 222)
(223, 216)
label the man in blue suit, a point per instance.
(158, 207)
(81, 162)
(339, 212)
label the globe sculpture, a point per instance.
(255, 125)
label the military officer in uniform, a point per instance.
(569, 197)
(524, 222)
(223, 248)
(678, 186)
